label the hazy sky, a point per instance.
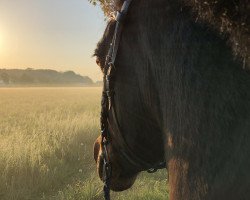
(54, 34)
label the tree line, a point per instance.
(32, 76)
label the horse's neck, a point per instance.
(204, 106)
(206, 117)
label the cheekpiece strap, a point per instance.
(108, 93)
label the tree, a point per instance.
(26, 78)
(5, 77)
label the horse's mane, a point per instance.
(229, 17)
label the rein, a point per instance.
(107, 107)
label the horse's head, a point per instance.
(178, 89)
(135, 141)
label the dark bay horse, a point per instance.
(180, 94)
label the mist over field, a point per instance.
(46, 140)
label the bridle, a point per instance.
(108, 111)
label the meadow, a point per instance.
(46, 141)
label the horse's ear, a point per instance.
(118, 4)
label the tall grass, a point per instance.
(46, 138)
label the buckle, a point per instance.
(119, 16)
(111, 65)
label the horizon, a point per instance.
(61, 71)
(46, 69)
(58, 35)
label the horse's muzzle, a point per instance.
(119, 181)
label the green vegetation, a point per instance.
(46, 139)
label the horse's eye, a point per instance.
(98, 62)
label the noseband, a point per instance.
(108, 113)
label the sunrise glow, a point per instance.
(59, 35)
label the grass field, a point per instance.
(46, 139)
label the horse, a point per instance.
(182, 95)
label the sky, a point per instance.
(50, 34)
